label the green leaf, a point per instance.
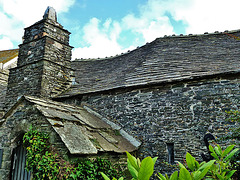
(154, 160)
(227, 150)
(220, 177)
(217, 151)
(184, 174)
(196, 174)
(203, 173)
(104, 176)
(132, 170)
(190, 161)
(133, 161)
(213, 154)
(146, 169)
(167, 178)
(230, 154)
(180, 165)
(229, 175)
(174, 176)
(210, 148)
(197, 165)
(161, 177)
(207, 165)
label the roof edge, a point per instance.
(177, 80)
(226, 32)
(127, 136)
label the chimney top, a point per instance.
(50, 13)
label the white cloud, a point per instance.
(17, 14)
(149, 28)
(101, 39)
(5, 43)
(10, 27)
(29, 11)
(152, 21)
(208, 16)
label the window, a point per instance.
(1, 156)
(170, 148)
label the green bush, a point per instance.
(140, 170)
(90, 169)
(219, 168)
(44, 164)
(234, 116)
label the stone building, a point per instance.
(44, 71)
(162, 97)
(8, 59)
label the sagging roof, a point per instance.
(167, 59)
(8, 55)
(82, 130)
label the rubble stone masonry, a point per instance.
(180, 113)
(43, 67)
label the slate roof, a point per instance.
(8, 55)
(82, 130)
(167, 59)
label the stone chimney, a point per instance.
(43, 67)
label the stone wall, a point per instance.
(43, 67)
(15, 126)
(44, 48)
(46, 27)
(3, 88)
(24, 80)
(180, 113)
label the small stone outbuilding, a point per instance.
(73, 130)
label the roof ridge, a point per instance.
(158, 38)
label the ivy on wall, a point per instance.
(45, 164)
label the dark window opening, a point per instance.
(1, 156)
(170, 148)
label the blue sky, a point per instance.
(103, 28)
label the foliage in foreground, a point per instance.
(219, 168)
(141, 170)
(44, 164)
(234, 116)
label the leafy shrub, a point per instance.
(219, 168)
(90, 169)
(44, 164)
(214, 169)
(40, 161)
(140, 170)
(234, 116)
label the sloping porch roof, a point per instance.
(82, 130)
